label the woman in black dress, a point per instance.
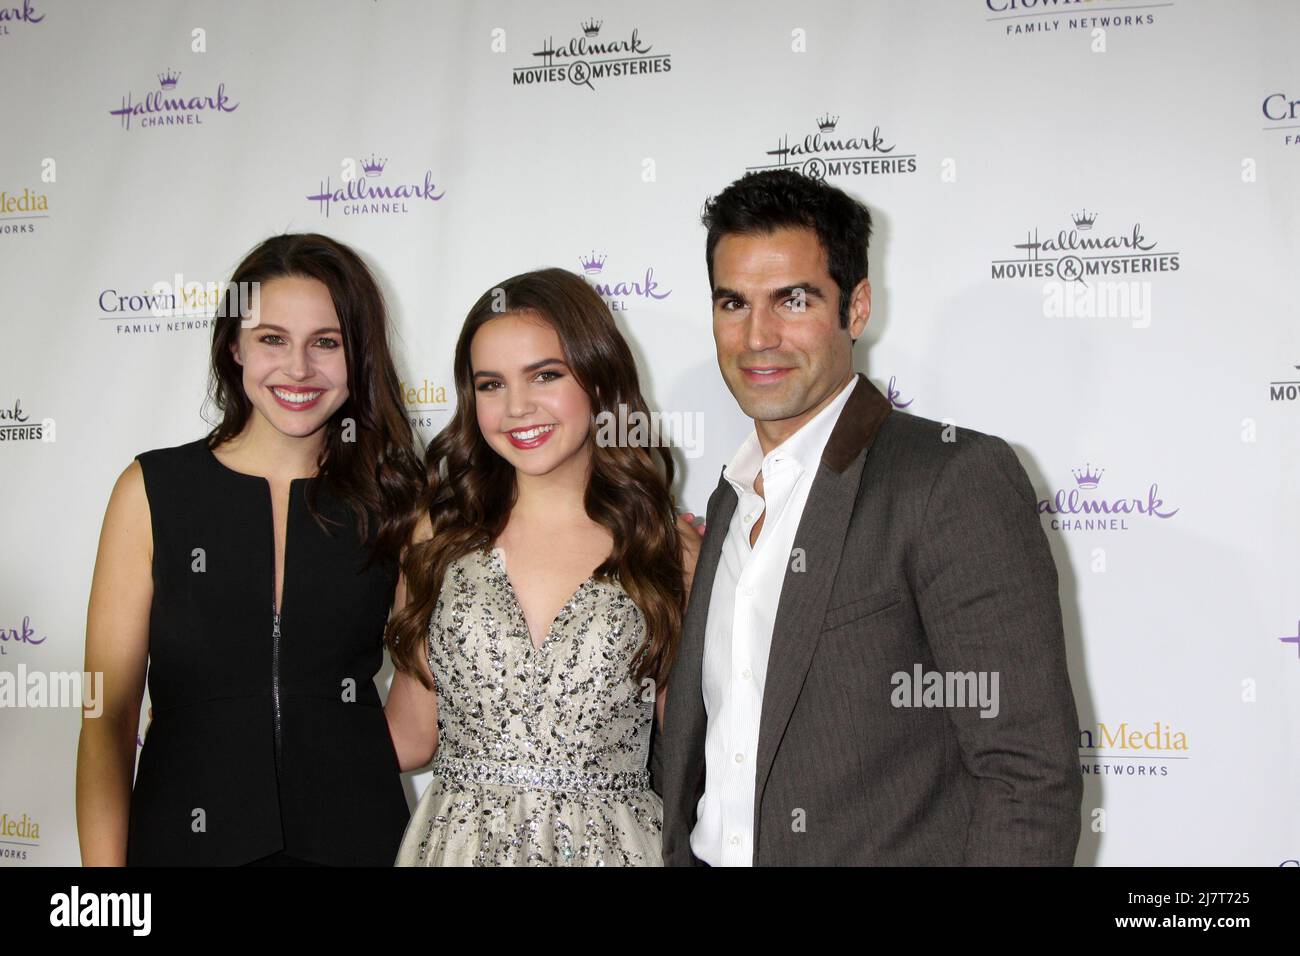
(251, 574)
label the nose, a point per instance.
(762, 330)
(518, 402)
(298, 364)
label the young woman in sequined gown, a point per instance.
(542, 597)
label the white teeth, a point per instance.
(296, 398)
(531, 433)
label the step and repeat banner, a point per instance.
(1086, 243)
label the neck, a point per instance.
(556, 498)
(772, 434)
(265, 450)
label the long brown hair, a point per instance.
(376, 472)
(471, 489)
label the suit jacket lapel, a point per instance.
(804, 593)
(717, 518)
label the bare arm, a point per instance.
(117, 647)
(412, 708)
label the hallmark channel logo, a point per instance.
(1129, 750)
(1283, 113)
(159, 108)
(894, 395)
(18, 211)
(18, 17)
(20, 636)
(1284, 390)
(592, 55)
(618, 291)
(375, 191)
(1083, 249)
(17, 424)
(1084, 508)
(1019, 18)
(829, 150)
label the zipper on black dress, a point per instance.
(275, 628)
(275, 676)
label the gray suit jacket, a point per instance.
(918, 551)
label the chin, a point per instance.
(296, 424)
(534, 465)
(298, 428)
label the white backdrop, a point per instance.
(991, 140)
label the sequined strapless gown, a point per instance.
(542, 753)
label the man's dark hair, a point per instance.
(760, 203)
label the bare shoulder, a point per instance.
(423, 529)
(128, 507)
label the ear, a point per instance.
(234, 350)
(859, 309)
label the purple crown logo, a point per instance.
(592, 264)
(1087, 479)
(373, 166)
(167, 80)
(592, 27)
(1083, 220)
(827, 123)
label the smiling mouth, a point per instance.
(763, 373)
(529, 434)
(534, 436)
(305, 397)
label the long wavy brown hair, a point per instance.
(376, 472)
(470, 489)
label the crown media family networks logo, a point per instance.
(1130, 750)
(829, 151)
(20, 210)
(589, 56)
(369, 194)
(165, 106)
(1283, 115)
(1021, 18)
(1085, 508)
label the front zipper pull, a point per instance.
(275, 681)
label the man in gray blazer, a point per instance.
(872, 667)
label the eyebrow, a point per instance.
(810, 289)
(277, 328)
(527, 368)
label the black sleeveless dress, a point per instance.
(268, 736)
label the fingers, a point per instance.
(691, 519)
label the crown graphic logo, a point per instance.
(1087, 479)
(827, 123)
(373, 166)
(593, 263)
(1084, 220)
(167, 80)
(592, 27)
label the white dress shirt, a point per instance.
(738, 632)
